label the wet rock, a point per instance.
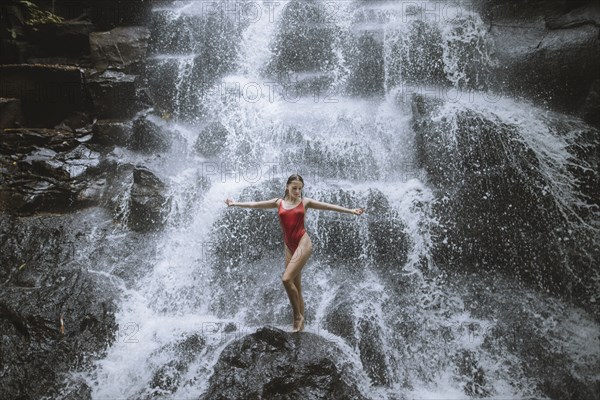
(417, 58)
(54, 39)
(371, 350)
(548, 51)
(22, 20)
(168, 93)
(184, 39)
(339, 237)
(301, 46)
(274, 364)
(109, 132)
(361, 333)
(42, 285)
(526, 10)
(591, 106)
(339, 318)
(108, 14)
(10, 113)
(67, 165)
(150, 135)
(495, 207)
(367, 71)
(169, 376)
(48, 93)
(257, 237)
(212, 139)
(260, 230)
(77, 122)
(212, 41)
(341, 160)
(148, 207)
(584, 13)
(119, 48)
(522, 329)
(48, 170)
(76, 390)
(389, 244)
(468, 369)
(113, 94)
(22, 140)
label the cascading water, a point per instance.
(250, 109)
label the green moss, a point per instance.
(37, 16)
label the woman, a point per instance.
(297, 244)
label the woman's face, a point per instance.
(295, 189)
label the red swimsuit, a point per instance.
(292, 224)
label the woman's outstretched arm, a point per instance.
(252, 204)
(319, 205)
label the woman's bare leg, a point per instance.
(290, 277)
(298, 283)
(297, 280)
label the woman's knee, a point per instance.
(287, 279)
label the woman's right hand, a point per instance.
(229, 202)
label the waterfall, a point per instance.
(256, 93)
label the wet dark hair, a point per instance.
(294, 177)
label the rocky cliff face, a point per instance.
(547, 51)
(76, 92)
(70, 91)
(499, 206)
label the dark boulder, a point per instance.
(547, 51)
(493, 10)
(107, 14)
(49, 171)
(168, 377)
(48, 93)
(260, 233)
(340, 237)
(389, 244)
(10, 113)
(210, 41)
(69, 40)
(329, 161)
(418, 57)
(305, 39)
(151, 135)
(468, 368)
(212, 139)
(114, 94)
(496, 205)
(557, 372)
(148, 205)
(362, 333)
(109, 132)
(54, 315)
(278, 365)
(367, 75)
(591, 107)
(21, 21)
(119, 48)
(77, 122)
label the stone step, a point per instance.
(48, 93)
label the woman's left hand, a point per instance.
(358, 211)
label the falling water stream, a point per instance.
(217, 270)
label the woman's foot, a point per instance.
(298, 324)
